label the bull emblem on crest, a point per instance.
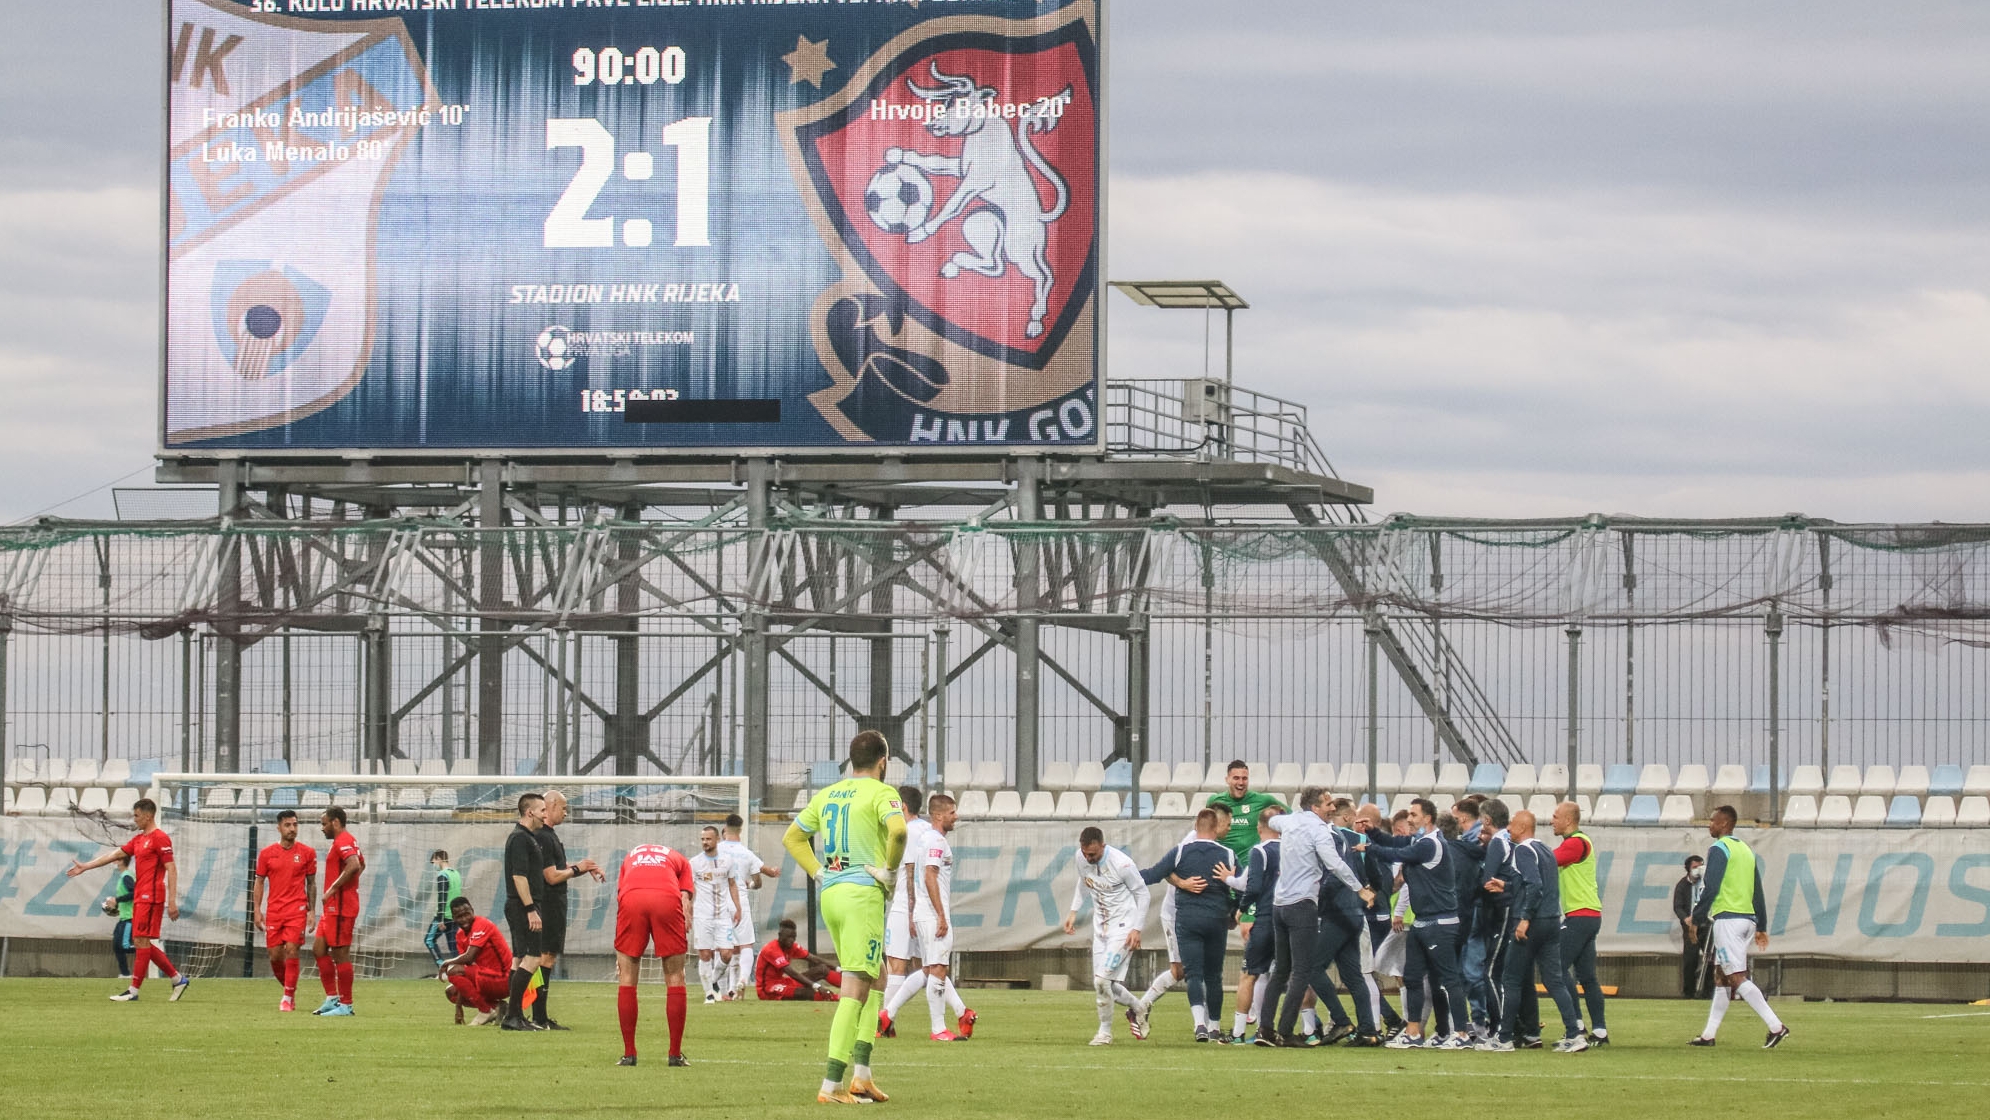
(1010, 227)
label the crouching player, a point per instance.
(784, 971)
(479, 975)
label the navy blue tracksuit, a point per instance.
(1537, 899)
(1433, 937)
(1202, 920)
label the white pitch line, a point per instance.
(1514, 1075)
(1961, 1015)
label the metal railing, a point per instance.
(1205, 418)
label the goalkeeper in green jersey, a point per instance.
(862, 827)
(441, 937)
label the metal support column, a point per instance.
(1630, 658)
(1374, 637)
(630, 734)
(941, 634)
(1824, 656)
(753, 637)
(227, 652)
(1774, 627)
(1137, 673)
(6, 633)
(1575, 704)
(882, 710)
(490, 600)
(1029, 507)
(378, 695)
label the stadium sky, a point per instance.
(1526, 259)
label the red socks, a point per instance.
(834, 979)
(345, 984)
(328, 975)
(143, 960)
(165, 966)
(673, 1005)
(625, 1005)
(291, 968)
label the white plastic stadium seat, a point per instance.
(1401, 802)
(1154, 776)
(1056, 777)
(1284, 776)
(1217, 776)
(1939, 812)
(1520, 781)
(973, 803)
(433, 768)
(17, 767)
(1973, 813)
(410, 797)
(1844, 781)
(1087, 777)
(1806, 779)
(1186, 778)
(1419, 776)
(1692, 780)
(988, 775)
(1072, 805)
(1352, 776)
(1554, 778)
(1542, 805)
(1913, 781)
(55, 771)
(82, 772)
(1388, 778)
(1589, 778)
(122, 800)
(1260, 772)
(1869, 811)
(1730, 781)
(1678, 809)
(30, 801)
(1655, 778)
(1835, 811)
(1040, 805)
(1582, 803)
(96, 799)
(1105, 805)
(1319, 774)
(1443, 801)
(1800, 811)
(959, 774)
(1005, 804)
(1879, 781)
(402, 768)
(1609, 810)
(1977, 783)
(61, 800)
(1452, 778)
(1171, 804)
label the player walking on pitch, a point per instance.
(1733, 903)
(156, 899)
(1119, 908)
(289, 871)
(714, 914)
(332, 947)
(863, 841)
(652, 910)
(749, 869)
(932, 922)
(899, 944)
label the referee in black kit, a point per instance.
(557, 874)
(523, 859)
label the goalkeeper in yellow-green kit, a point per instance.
(862, 827)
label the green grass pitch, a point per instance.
(224, 1051)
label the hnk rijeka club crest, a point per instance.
(955, 179)
(284, 133)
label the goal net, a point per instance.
(220, 822)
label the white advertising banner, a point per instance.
(1856, 894)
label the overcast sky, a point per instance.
(1526, 259)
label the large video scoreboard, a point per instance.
(532, 225)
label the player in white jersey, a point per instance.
(899, 946)
(1119, 901)
(748, 868)
(714, 911)
(1172, 978)
(933, 928)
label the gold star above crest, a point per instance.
(808, 62)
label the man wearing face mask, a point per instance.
(1692, 947)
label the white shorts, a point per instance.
(1392, 954)
(1174, 947)
(933, 949)
(712, 933)
(1367, 949)
(898, 943)
(1733, 939)
(1110, 956)
(742, 930)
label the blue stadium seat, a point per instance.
(1622, 778)
(1945, 780)
(1119, 776)
(1759, 783)
(283, 798)
(1488, 779)
(1904, 811)
(274, 766)
(143, 769)
(822, 775)
(1643, 810)
(1146, 806)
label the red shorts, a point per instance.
(148, 916)
(283, 929)
(646, 918)
(336, 929)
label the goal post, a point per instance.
(220, 822)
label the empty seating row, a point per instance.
(60, 801)
(1873, 811)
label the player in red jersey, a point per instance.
(652, 908)
(780, 975)
(333, 944)
(480, 972)
(155, 898)
(289, 871)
